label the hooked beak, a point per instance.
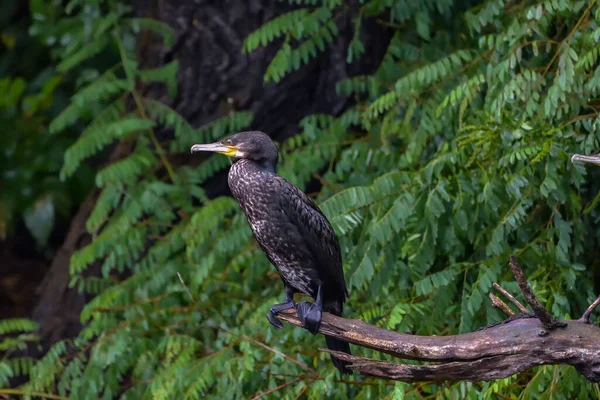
(230, 151)
(595, 159)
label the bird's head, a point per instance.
(252, 145)
(595, 159)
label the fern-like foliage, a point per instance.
(452, 155)
(312, 26)
(15, 337)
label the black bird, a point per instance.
(293, 233)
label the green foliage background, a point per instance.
(454, 155)
(33, 93)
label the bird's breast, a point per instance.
(259, 196)
(253, 190)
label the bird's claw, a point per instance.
(310, 315)
(273, 320)
(277, 308)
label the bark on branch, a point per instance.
(545, 318)
(493, 352)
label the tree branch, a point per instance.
(585, 318)
(547, 320)
(510, 297)
(497, 303)
(493, 352)
(496, 352)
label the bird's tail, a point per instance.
(337, 344)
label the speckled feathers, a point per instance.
(291, 230)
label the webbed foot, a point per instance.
(310, 315)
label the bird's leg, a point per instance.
(310, 313)
(276, 308)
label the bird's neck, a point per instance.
(255, 166)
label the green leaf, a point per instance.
(166, 74)
(164, 30)
(98, 137)
(86, 52)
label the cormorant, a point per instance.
(291, 230)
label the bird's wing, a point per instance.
(317, 232)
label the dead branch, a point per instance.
(585, 318)
(496, 351)
(547, 320)
(510, 297)
(502, 306)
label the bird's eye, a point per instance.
(228, 142)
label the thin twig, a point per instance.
(510, 297)
(186, 288)
(263, 394)
(323, 182)
(497, 303)
(363, 383)
(585, 318)
(36, 394)
(545, 318)
(302, 392)
(279, 353)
